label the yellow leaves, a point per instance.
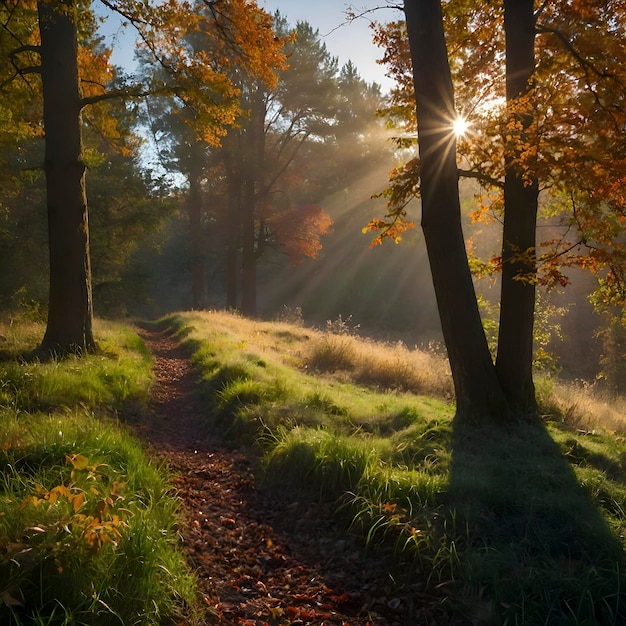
(85, 514)
(61, 490)
(392, 229)
(78, 461)
(489, 205)
(403, 187)
(203, 50)
(77, 501)
(97, 532)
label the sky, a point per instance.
(347, 41)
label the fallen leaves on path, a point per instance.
(260, 560)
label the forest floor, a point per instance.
(259, 558)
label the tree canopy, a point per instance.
(55, 47)
(536, 124)
(575, 146)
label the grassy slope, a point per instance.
(520, 524)
(87, 523)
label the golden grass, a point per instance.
(391, 366)
(585, 408)
(345, 358)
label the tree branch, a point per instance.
(132, 92)
(482, 177)
(586, 66)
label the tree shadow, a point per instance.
(537, 547)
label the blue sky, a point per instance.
(351, 41)
(346, 41)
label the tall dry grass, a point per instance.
(336, 352)
(582, 406)
(380, 365)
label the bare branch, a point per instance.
(136, 91)
(482, 177)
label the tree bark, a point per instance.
(70, 312)
(196, 238)
(248, 258)
(517, 300)
(233, 222)
(255, 151)
(479, 395)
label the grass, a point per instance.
(519, 524)
(87, 522)
(522, 524)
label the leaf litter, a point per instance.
(261, 561)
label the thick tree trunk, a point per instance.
(517, 303)
(70, 311)
(478, 392)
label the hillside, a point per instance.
(315, 477)
(514, 523)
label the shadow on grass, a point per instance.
(538, 551)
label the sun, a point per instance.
(460, 126)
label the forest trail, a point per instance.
(259, 561)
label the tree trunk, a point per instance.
(517, 303)
(478, 392)
(70, 311)
(248, 258)
(255, 151)
(196, 238)
(233, 223)
(232, 272)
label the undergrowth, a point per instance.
(515, 524)
(88, 525)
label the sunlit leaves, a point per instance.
(199, 48)
(87, 512)
(576, 145)
(298, 230)
(403, 187)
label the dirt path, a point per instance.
(259, 561)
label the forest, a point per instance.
(441, 268)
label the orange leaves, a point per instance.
(85, 515)
(403, 187)
(258, 49)
(567, 131)
(95, 71)
(197, 51)
(393, 229)
(298, 231)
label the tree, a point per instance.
(70, 308)
(194, 151)
(242, 27)
(521, 190)
(477, 389)
(261, 158)
(556, 109)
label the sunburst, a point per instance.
(460, 126)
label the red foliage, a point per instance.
(297, 231)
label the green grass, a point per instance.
(88, 524)
(511, 524)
